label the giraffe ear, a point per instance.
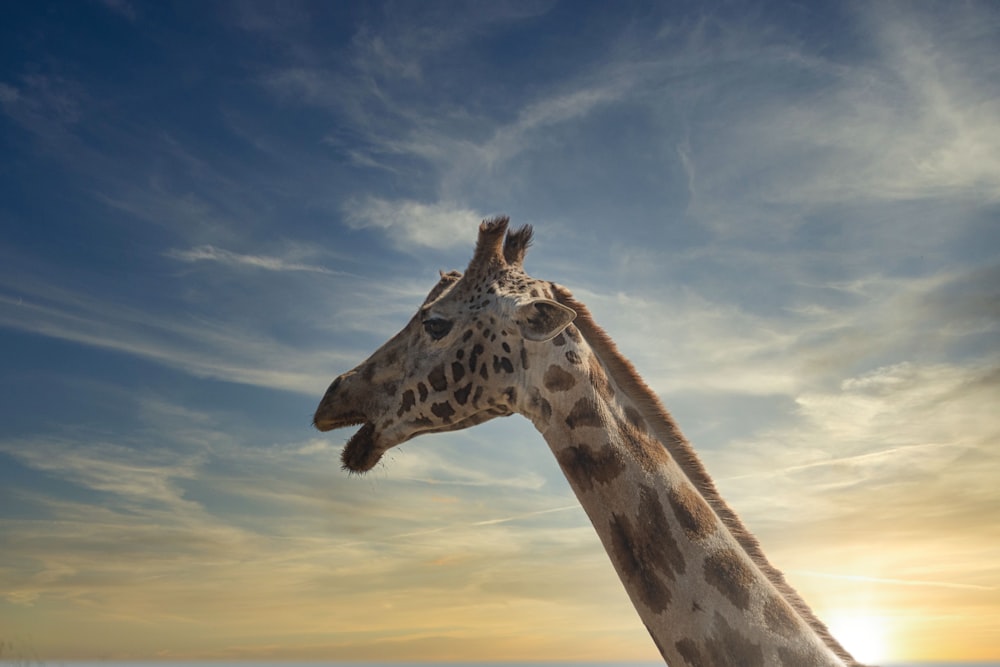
(542, 319)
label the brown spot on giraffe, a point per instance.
(632, 559)
(649, 453)
(690, 653)
(443, 410)
(584, 413)
(541, 409)
(436, 378)
(727, 646)
(408, 402)
(692, 512)
(779, 617)
(462, 395)
(586, 467)
(726, 571)
(599, 379)
(556, 379)
(792, 657)
(659, 532)
(477, 349)
(635, 418)
(502, 364)
(646, 552)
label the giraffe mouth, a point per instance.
(366, 447)
(360, 453)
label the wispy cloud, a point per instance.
(129, 474)
(47, 106)
(208, 253)
(914, 121)
(409, 223)
(841, 462)
(201, 347)
(895, 582)
(872, 448)
(121, 7)
(215, 521)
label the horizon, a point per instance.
(26, 659)
(784, 215)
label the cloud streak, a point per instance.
(201, 347)
(411, 223)
(896, 582)
(208, 253)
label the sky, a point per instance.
(786, 214)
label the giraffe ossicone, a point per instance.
(492, 342)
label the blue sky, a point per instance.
(786, 214)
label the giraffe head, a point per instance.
(460, 360)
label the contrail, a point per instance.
(490, 522)
(846, 459)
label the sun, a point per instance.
(864, 635)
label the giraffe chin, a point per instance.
(360, 453)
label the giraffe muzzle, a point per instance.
(341, 408)
(360, 453)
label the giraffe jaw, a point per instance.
(366, 447)
(360, 454)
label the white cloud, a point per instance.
(208, 253)
(47, 106)
(422, 462)
(132, 475)
(886, 482)
(204, 348)
(410, 223)
(8, 94)
(905, 434)
(914, 121)
(557, 108)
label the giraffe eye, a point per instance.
(437, 328)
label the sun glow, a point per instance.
(865, 636)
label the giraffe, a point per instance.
(493, 342)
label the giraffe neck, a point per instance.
(696, 577)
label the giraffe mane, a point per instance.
(666, 430)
